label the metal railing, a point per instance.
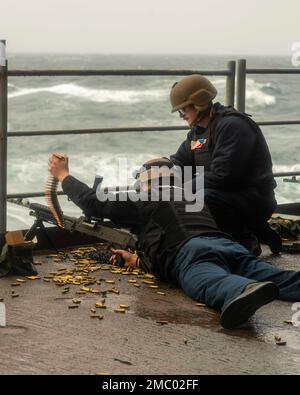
(3, 137)
(230, 73)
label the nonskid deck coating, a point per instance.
(44, 336)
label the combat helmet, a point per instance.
(194, 89)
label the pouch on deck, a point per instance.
(16, 260)
(286, 228)
(16, 256)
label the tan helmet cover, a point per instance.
(194, 89)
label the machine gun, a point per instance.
(96, 227)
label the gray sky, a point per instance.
(154, 26)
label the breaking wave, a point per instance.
(255, 93)
(30, 176)
(95, 95)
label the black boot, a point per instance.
(240, 309)
(268, 236)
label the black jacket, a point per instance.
(232, 150)
(162, 227)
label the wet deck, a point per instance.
(44, 336)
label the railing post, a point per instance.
(230, 84)
(3, 139)
(241, 85)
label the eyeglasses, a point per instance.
(182, 112)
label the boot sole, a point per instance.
(241, 309)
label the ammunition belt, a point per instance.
(51, 196)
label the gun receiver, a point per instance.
(104, 231)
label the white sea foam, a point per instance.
(285, 168)
(28, 175)
(255, 94)
(95, 95)
(287, 192)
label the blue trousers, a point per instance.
(214, 270)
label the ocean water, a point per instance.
(46, 103)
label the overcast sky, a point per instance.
(154, 26)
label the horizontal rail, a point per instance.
(97, 131)
(121, 188)
(145, 72)
(287, 174)
(273, 71)
(270, 123)
(42, 194)
(127, 129)
(29, 194)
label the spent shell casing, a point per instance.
(99, 316)
(119, 310)
(100, 305)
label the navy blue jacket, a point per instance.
(232, 150)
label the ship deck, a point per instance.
(44, 336)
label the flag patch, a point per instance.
(198, 143)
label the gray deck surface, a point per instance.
(44, 336)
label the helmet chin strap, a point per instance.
(208, 112)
